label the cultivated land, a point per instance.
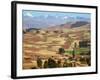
(43, 44)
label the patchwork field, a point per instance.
(66, 47)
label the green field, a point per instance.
(77, 51)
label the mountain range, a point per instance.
(42, 22)
(69, 25)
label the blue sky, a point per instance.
(51, 18)
(55, 14)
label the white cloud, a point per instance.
(29, 14)
(65, 17)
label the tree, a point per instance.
(46, 64)
(61, 50)
(39, 62)
(51, 63)
(37, 31)
(74, 49)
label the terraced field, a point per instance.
(46, 44)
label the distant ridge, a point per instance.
(79, 23)
(30, 29)
(68, 25)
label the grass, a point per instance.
(77, 51)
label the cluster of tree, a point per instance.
(52, 63)
(84, 44)
(85, 60)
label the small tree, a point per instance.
(37, 31)
(61, 50)
(39, 62)
(74, 49)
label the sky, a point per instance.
(40, 19)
